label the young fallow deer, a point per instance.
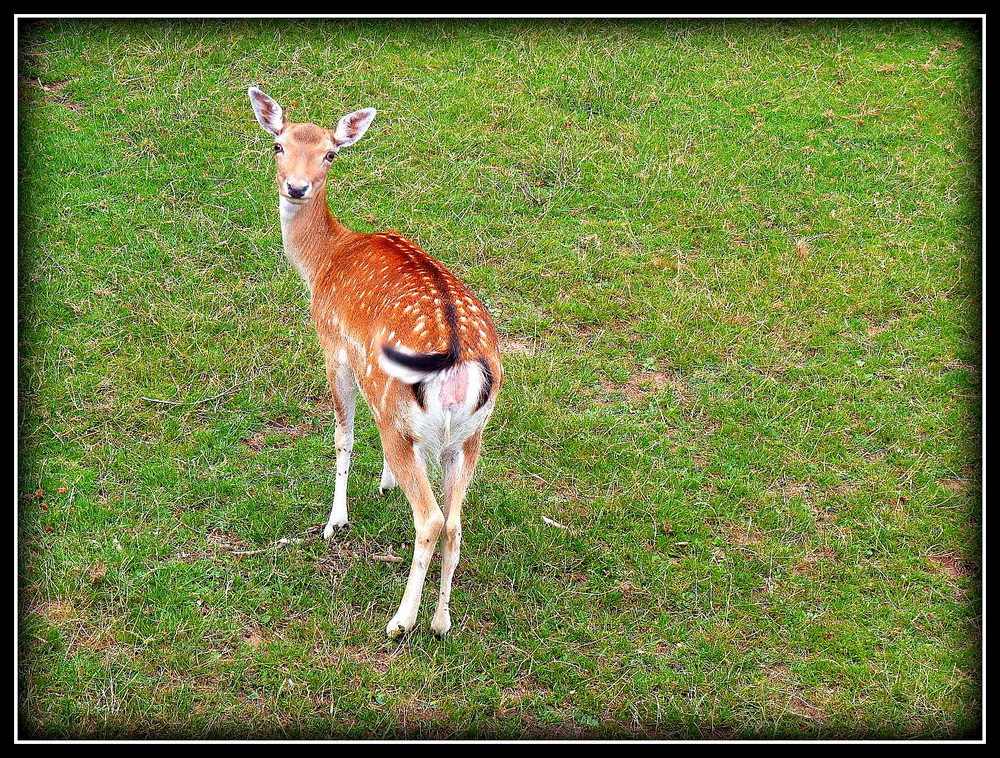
(419, 345)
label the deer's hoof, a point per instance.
(398, 627)
(441, 624)
(332, 528)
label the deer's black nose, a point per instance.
(297, 191)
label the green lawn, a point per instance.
(736, 267)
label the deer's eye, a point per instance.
(278, 148)
(331, 155)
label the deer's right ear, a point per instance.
(268, 112)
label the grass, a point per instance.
(737, 270)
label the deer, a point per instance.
(397, 326)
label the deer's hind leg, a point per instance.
(407, 464)
(459, 466)
(341, 378)
(388, 481)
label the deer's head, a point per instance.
(304, 152)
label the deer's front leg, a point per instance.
(344, 400)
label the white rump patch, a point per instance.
(447, 421)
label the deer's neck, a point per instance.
(309, 232)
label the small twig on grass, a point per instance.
(313, 530)
(280, 543)
(254, 552)
(229, 391)
(556, 524)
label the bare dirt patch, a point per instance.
(77, 631)
(643, 384)
(340, 555)
(224, 542)
(418, 718)
(646, 382)
(741, 536)
(844, 488)
(789, 489)
(253, 636)
(956, 567)
(876, 456)
(95, 638)
(804, 709)
(217, 541)
(327, 652)
(56, 612)
(790, 696)
(808, 566)
(526, 687)
(52, 92)
(278, 433)
(952, 564)
(958, 486)
(875, 327)
(511, 346)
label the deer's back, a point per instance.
(384, 287)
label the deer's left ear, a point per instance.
(353, 126)
(268, 112)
